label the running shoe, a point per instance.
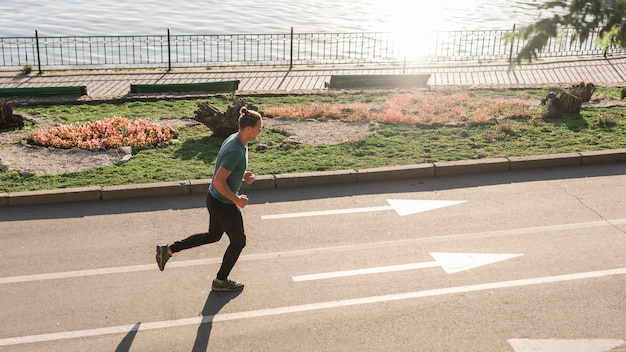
(226, 285)
(162, 256)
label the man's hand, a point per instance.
(248, 177)
(242, 201)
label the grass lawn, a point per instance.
(426, 127)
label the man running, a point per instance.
(224, 202)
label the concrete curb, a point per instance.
(316, 178)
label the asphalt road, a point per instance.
(338, 268)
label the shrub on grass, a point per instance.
(608, 119)
(413, 108)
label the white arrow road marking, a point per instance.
(307, 307)
(402, 207)
(450, 262)
(598, 345)
(456, 262)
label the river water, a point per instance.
(20, 18)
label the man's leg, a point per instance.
(230, 220)
(163, 253)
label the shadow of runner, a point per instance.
(214, 303)
(127, 341)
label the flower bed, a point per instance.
(108, 133)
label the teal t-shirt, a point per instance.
(233, 156)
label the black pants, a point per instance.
(222, 218)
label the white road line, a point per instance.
(310, 251)
(377, 270)
(307, 307)
(401, 206)
(561, 345)
(103, 271)
(326, 212)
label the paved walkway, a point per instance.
(107, 84)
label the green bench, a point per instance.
(210, 87)
(42, 91)
(378, 81)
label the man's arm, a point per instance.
(219, 182)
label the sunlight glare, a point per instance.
(413, 25)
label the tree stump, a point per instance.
(221, 124)
(569, 103)
(551, 102)
(9, 120)
(583, 93)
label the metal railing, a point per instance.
(159, 51)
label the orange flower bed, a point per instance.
(108, 133)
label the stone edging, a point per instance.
(316, 178)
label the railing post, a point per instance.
(512, 41)
(38, 54)
(291, 50)
(169, 52)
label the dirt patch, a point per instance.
(324, 132)
(48, 161)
